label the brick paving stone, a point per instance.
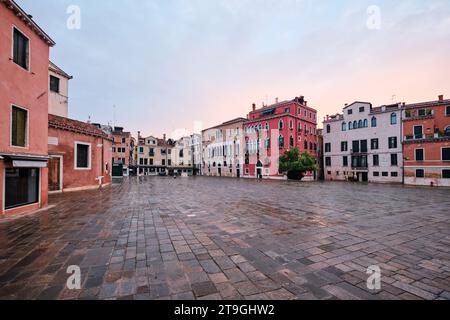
(238, 246)
(204, 289)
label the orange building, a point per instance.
(426, 145)
(122, 149)
(24, 56)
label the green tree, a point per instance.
(295, 164)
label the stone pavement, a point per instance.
(212, 238)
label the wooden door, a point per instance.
(54, 174)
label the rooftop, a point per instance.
(28, 20)
(75, 126)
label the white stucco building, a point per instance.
(364, 144)
(58, 98)
(223, 153)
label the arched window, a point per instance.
(281, 124)
(374, 122)
(291, 141)
(267, 126)
(344, 126)
(393, 118)
(366, 123)
(291, 124)
(355, 124)
(281, 142)
(328, 128)
(360, 124)
(350, 127)
(447, 131)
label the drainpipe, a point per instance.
(403, 146)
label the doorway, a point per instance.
(55, 174)
(365, 177)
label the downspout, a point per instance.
(403, 146)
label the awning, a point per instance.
(26, 161)
(29, 164)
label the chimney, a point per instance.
(254, 107)
(441, 98)
(164, 137)
(276, 100)
(139, 134)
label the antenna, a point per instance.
(114, 115)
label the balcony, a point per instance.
(436, 137)
(420, 114)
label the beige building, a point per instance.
(153, 156)
(223, 153)
(58, 100)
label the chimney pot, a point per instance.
(441, 97)
(254, 107)
(164, 137)
(276, 100)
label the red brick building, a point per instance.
(274, 129)
(80, 155)
(24, 58)
(426, 145)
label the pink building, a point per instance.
(24, 58)
(80, 155)
(274, 129)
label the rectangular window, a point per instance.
(394, 174)
(328, 161)
(344, 146)
(54, 84)
(327, 147)
(420, 173)
(420, 155)
(21, 49)
(82, 156)
(447, 111)
(374, 144)
(355, 146)
(418, 132)
(445, 154)
(392, 142)
(350, 111)
(376, 174)
(141, 161)
(19, 123)
(21, 187)
(363, 145)
(345, 161)
(446, 174)
(361, 109)
(141, 149)
(394, 159)
(422, 112)
(376, 160)
(169, 162)
(385, 174)
(163, 162)
(113, 149)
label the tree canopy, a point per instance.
(295, 164)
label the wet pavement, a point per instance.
(212, 238)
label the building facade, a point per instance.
(24, 56)
(274, 129)
(58, 102)
(122, 149)
(153, 156)
(426, 129)
(182, 162)
(80, 155)
(196, 149)
(223, 149)
(364, 144)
